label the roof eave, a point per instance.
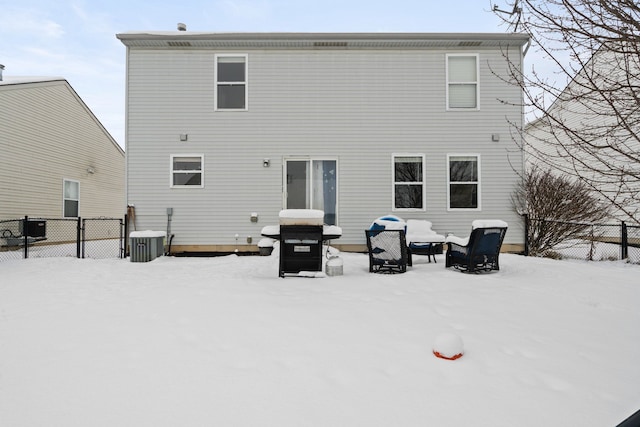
(129, 38)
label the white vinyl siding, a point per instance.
(358, 107)
(409, 182)
(463, 183)
(462, 82)
(231, 82)
(187, 171)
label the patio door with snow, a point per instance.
(311, 184)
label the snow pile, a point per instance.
(448, 346)
(301, 217)
(388, 222)
(488, 223)
(147, 233)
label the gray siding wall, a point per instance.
(358, 107)
(48, 135)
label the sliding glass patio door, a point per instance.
(312, 184)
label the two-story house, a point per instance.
(226, 129)
(56, 158)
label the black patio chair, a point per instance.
(387, 251)
(480, 252)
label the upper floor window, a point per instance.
(464, 181)
(231, 82)
(70, 198)
(187, 170)
(408, 181)
(462, 81)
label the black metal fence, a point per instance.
(62, 237)
(594, 242)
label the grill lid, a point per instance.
(301, 217)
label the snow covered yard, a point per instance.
(226, 342)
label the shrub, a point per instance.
(559, 208)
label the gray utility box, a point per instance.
(146, 248)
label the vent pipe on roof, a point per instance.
(182, 27)
(1, 68)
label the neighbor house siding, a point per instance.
(587, 114)
(48, 135)
(358, 107)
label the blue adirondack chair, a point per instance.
(480, 251)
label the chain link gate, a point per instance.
(62, 237)
(102, 238)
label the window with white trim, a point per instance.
(187, 170)
(408, 182)
(464, 181)
(70, 198)
(231, 81)
(462, 81)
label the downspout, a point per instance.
(169, 235)
(523, 53)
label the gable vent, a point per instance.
(469, 44)
(179, 44)
(329, 44)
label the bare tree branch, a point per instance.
(585, 120)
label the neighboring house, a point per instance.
(226, 129)
(56, 159)
(582, 135)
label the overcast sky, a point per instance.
(75, 39)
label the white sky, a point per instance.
(75, 39)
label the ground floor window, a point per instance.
(464, 181)
(312, 184)
(187, 170)
(70, 198)
(408, 182)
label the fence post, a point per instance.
(526, 234)
(78, 239)
(25, 236)
(125, 240)
(592, 243)
(624, 241)
(84, 237)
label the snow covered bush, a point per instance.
(559, 209)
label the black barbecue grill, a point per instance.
(301, 235)
(300, 248)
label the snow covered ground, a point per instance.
(226, 342)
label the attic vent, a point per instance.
(469, 44)
(179, 44)
(329, 44)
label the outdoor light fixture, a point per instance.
(91, 170)
(266, 163)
